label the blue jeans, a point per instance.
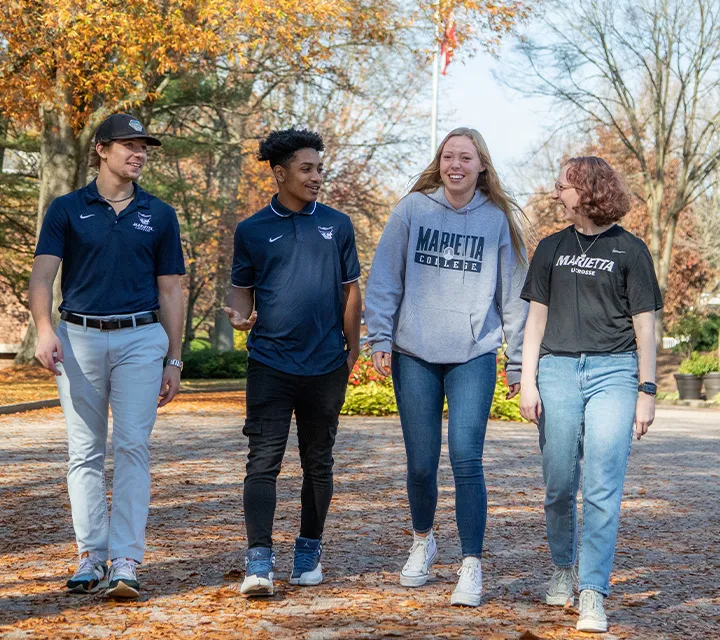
(420, 389)
(588, 411)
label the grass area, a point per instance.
(26, 383)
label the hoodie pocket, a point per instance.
(436, 335)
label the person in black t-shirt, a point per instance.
(593, 296)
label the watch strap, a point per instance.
(174, 362)
(648, 387)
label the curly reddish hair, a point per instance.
(604, 197)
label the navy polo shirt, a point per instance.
(297, 263)
(111, 262)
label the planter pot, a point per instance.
(712, 384)
(688, 385)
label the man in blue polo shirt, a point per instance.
(295, 263)
(121, 314)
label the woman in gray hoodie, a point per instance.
(443, 289)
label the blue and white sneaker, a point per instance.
(259, 564)
(307, 569)
(90, 577)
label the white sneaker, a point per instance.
(592, 612)
(123, 581)
(562, 587)
(468, 591)
(417, 568)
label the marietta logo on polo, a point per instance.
(136, 124)
(144, 224)
(326, 232)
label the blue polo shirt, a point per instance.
(111, 262)
(297, 263)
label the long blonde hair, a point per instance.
(488, 182)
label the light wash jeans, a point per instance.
(588, 411)
(420, 389)
(121, 368)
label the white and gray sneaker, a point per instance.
(91, 575)
(562, 587)
(423, 553)
(468, 591)
(592, 612)
(123, 583)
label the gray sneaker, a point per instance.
(592, 613)
(90, 577)
(562, 587)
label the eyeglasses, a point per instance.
(562, 187)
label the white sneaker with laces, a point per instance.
(468, 591)
(123, 581)
(592, 612)
(423, 553)
(562, 587)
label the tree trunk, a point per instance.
(60, 160)
(190, 307)
(223, 334)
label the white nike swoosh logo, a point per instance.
(616, 251)
(89, 215)
(278, 238)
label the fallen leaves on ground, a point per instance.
(664, 582)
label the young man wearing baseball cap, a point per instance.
(121, 314)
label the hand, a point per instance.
(352, 359)
(49, 352)
(513, 391)
(170, 384)
(644, 414)
(238, 322)
(382, 362)
(530, 403)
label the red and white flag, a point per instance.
(449, 43)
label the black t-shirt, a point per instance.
(592, 292)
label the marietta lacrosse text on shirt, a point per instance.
(585, 266)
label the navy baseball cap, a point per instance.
(123, 126)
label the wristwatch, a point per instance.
(648, 387)
(174, 362)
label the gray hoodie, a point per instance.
(446, 283)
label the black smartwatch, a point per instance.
(648, 387)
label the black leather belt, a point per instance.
(111, 325)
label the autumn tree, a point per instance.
(66, 65)
(650, 74)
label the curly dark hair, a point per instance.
(604, 197)
(280, 146)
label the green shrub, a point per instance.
(699, 364)
(368, 394)
(371, 399)
(708, 333)
(699, 333)
(209, 363)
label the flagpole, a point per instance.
(435, 98)
(435, 81)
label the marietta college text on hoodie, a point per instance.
(445, 283)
